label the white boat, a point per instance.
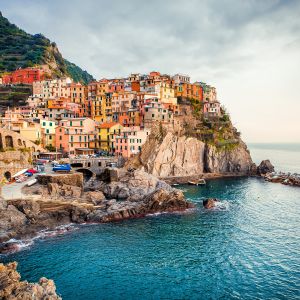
(31, 182)
(199, 182)
(19, 173)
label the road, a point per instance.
(14, 190)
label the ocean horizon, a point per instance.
(284, 156)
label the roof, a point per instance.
(108, 125)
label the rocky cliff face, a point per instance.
(172, 154)
(12, 288)
(236, 160)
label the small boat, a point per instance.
(62, 168)
(199, 182)
(31, 182)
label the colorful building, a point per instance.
(48, 133)
(106, 134)
(75, 133)
(25, 76)
(130, 141)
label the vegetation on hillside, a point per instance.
(19, 49)
(77, 73)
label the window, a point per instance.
(153, 115)
(44, 123)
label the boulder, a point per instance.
(210, 203)
(265, 167)
(96, 197)
(162, 200)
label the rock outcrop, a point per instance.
(123, 194)
(236, 160)
(265, 167)
(210, 203)
(172, 154)
(12, 288)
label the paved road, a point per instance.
(14, 190)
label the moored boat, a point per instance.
(198, 182)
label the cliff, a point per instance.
(168, 153)
(12, 288)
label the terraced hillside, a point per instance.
(20, 49)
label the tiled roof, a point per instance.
(108, 125)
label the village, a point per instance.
(109, 117)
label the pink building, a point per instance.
(75, 133)
(211, 108)
(130, 141)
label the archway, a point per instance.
(76, 165)
(9, 141)
(87, 174)
(19, 142)
(7, 176)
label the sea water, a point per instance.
(249, 249)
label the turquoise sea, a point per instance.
(249, 250)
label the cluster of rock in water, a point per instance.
(266, 170)
(11, 287)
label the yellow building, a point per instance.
(32, 131)
(98, 95)
(48, 133)
(106, 133)
(166, 93)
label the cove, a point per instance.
(248, 251)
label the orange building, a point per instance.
(78, 93)
(189, 91)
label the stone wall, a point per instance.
(13, 140)
(12, 162)
(74, 179)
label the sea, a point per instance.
(247, 248)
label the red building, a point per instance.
(27, 76)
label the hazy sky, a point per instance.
(248, 49)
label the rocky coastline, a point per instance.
(11, 286)
(63, 199)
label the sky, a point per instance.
(249, 50)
